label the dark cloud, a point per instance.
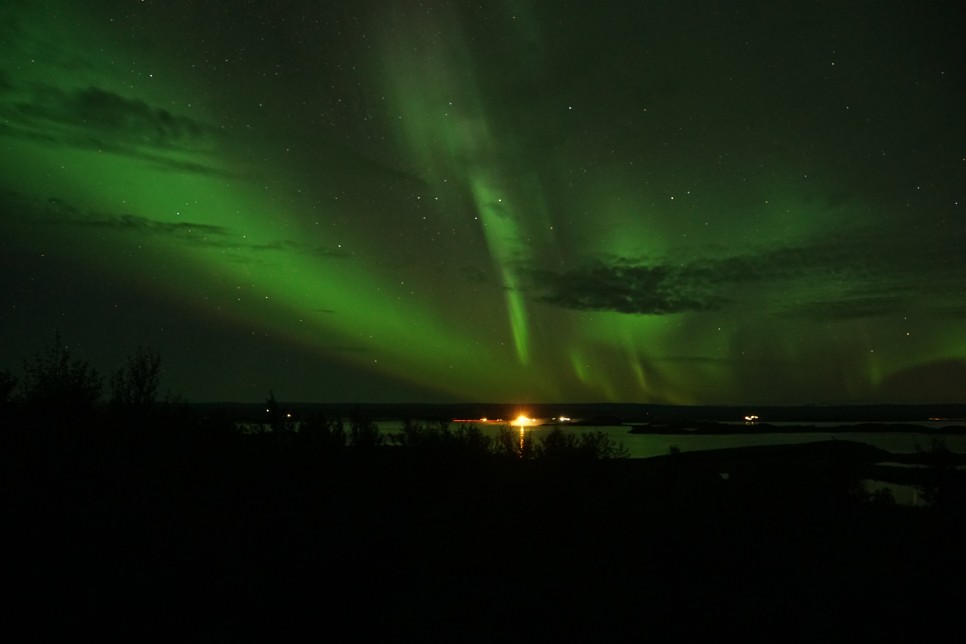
(861, 275)
(329, 252)
(657, 289)
(235, 243)
(293, 246)
(134, 223)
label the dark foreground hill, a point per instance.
(204, 534)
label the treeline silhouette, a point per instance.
(132, 515)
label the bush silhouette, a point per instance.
(472, 440)
(943, 486)
(8, 382)
(514, 443)
(560, 445)
(599, 445)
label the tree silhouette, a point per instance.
(321, 431)
(279, 421)
(59, 384)
(134, 387)
(363, 433)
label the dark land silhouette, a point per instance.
(143, 517)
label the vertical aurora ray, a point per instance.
(503, 238)
(450, 141)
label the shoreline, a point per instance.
(719, 428)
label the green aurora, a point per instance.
(690, 203)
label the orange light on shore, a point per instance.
(522, 421)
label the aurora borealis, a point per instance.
(669, 202)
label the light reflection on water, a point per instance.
(649, 445)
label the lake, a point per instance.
(648, 445)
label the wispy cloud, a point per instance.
(94, 118)
(116, 118)
(848, 307)
(58, 212)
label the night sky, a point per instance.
(661, 201)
